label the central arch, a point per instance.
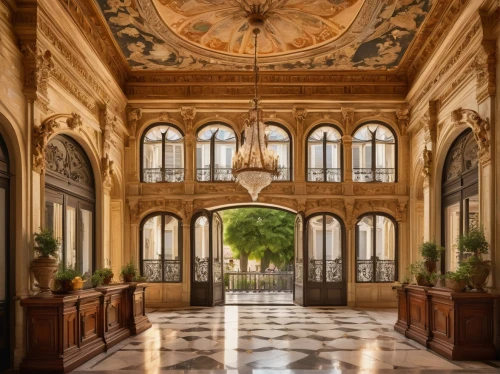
(325, 283)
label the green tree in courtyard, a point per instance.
(259, 233)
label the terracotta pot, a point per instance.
(62, 286)
(478, 277)
(128, 277)
(430, 266)
(456, 286)
(422, 280)
(44, 269)
(107, 280)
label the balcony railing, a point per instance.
(220, 175)
(151, 270)
(154, 175)
(385, 270)
(385, 175)
(318, 175)
(258, 282)
(283, 174)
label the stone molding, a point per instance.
(426, 165)
(107, 171)
(134, 116)
(481, 129)
(403, 116)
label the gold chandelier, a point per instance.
(254, 165)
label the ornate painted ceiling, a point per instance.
(176, 35)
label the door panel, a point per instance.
(217, 260)
(325, 253)
(298, 289)
(201, 290)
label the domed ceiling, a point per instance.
(173, 35)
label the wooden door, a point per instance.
(201, 261)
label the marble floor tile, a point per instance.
(274, 340)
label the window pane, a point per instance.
(87, 240)
(452, 231)
(54, 221)
(315, 249)
(385, 249)
(71, 259)
(151, 249)
(471, 208)
(152, 156)
(201, 245)
(217, 250)
(333, 241)
(298, 238)
(365, 248)
(279, 142)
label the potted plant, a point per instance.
(457, 280)
(66, 279)
(474, 242)
(431, 252)
(422, 275)
(128, 272)
(101, 276)
(45, 265)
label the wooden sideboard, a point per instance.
(65, 331)
(457, 325)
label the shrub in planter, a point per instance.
(474, 242)
(44, 267)
(101, 276)
(64, 280)
(457, 280)
(431, 252)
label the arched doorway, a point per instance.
(70, 202)
(5, 307)
(459, 195)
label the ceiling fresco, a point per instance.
(177, 35)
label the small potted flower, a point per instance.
(66, 279)
(431, 253)
(45, 265)
(474, 243)
(422, 275)
(128, 272)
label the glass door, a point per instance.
(298, 289)
(217, 260)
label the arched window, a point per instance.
(162, 154)
(161, 248)
(324, 154)
(376, 252)
(215, 147)
(278, 139)
(374, 154)
(460, 195)
(70, 202)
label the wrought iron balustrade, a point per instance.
(283, 174)
(299, 272)
(385, 270)
(315, 270)
(318, 174)
(203, 174)
(259, 282)
(385, 175)
(152, 270)
(154, 175)
(334, 270)
(201, 269)
(220, 175)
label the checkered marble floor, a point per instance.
(254, 338)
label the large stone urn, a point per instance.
(44, 269)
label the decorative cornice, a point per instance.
(480, 128)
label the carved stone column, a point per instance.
(426, 172)
(348, 117)
(300, 116)
(188, 114)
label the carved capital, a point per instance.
(300, 115)
(301, 205)
(403, 115)
(134, 211)
(38, 66)
(41, 135)
(348, 117)
(188, 114)
(134, 116)
(74, 121)
(481, 129)
(107, 167)
(187, 209)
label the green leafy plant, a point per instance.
(139, 278)
(417, 268)
(100, 275)
(67, 274)
(46, 244)
(422, 275)
(461, 274)
(431, 251)
(473, 241)
(128, 268)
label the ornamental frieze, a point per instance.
(279, 188)
(171, 189)
(336, 204)
(324, 189)
(139, 208)
(374, 189)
